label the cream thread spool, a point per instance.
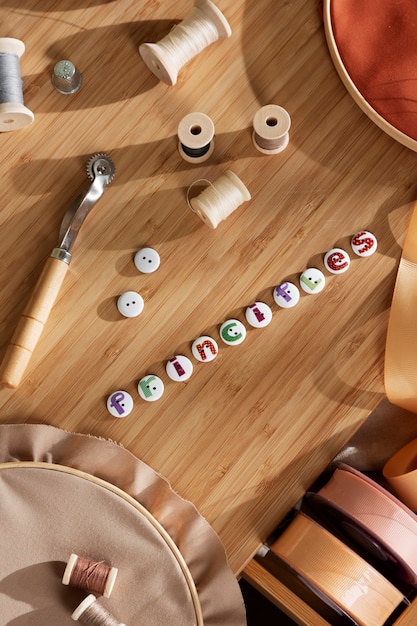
(83, 573)
(91, 613)
(271, 124)
(195, 137)
(219, 199)
(204, 25)
(13, 113)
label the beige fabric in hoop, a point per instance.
(46, 514)
(401, 344)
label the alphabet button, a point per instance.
(150, 388)
(120, 404)
(147, 260)
(258, 314)
(364, 243)
(130, 304)
(337, 261)
(312, 280)
(286, 295)
(233, 332)
(204, 349)
(179, 368)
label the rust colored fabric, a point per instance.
(47, 515)
(377, 42)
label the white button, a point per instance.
(205, 349)
(233, 332)
(130, 304)
(364, 243)
(120, 404)
(312, 280)
(258, 314)
(286, 295)
(179, 368)
(150, 388)
(336, 261)
(147, 260)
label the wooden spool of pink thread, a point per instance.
(96, 577)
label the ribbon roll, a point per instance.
(400, 371)
(401, 473)
(337, 572)
(375, 519)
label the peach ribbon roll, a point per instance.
(401, 473)
(400, 371)
(337, 571)
(381, 521)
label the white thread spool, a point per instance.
(271, 124)
(97, 616)
(13, 113)
(219, 199)
(202, 27)
(195, 137)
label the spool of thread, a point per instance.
(203, 26)
(271, 124)
(336, 571)
(195, 137)
(97, 577)
(215, 203)
(91, 613)
(13, 113)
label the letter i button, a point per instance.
(179, 368)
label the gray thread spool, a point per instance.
(91, 613)
(13, 113)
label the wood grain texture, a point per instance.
(248, 433)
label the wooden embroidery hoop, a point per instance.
(350, 85)
(44, 466)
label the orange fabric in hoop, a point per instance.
(377, 42)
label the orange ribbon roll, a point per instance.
(401, 473)
(337, 572)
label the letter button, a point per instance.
(120, 404)
(337, 261)
(286, 295)
(179, 368)
(312, 280)
(204, 349)
(233, 332)
(150, 388)
(258, 314)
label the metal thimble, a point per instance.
(66, 78)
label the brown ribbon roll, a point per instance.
(337, 571)
(401, 343)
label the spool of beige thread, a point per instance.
(204, 25)
(219, 199)
(91, 613)
(88, 568)
(14, 115)
(271, 125)
(195, 137)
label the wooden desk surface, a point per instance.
(247, 434)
